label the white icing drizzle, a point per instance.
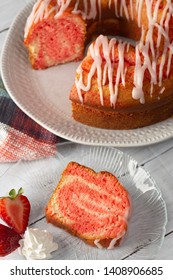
(116, 8)
(98, 245)
(137, 92)
(147, 45)
(114, 240)
(40, 10)
(139, 4)
(90, 9)
(149, 56)
(162, 90)
(62, 6)
(103, 46)
(131, 10)
(109, 4)
(123, 7)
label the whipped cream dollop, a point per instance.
(37, 244)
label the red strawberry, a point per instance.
(9, 240)
(15, 210)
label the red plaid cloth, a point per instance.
(20, 136)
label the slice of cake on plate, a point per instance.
(93, 206)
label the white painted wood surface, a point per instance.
(157, 158)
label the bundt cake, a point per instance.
(118, 85)
(93, 206)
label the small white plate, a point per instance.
(148, 219)
(44, 96)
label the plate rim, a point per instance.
(147, 173)
(75, 138)
(109, 150)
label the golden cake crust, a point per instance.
(112, 119)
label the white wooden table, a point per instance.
(157, 158)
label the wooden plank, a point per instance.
(161, 170)
(166, 251)
(147, 153)
(157, 160)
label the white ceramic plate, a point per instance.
(44, 96)
(148, 220)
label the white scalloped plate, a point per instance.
(148, 219)
(44, 96)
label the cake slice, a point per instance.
(93, 206)
(53, 40)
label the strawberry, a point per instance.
(15, 210)
(9, 240)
